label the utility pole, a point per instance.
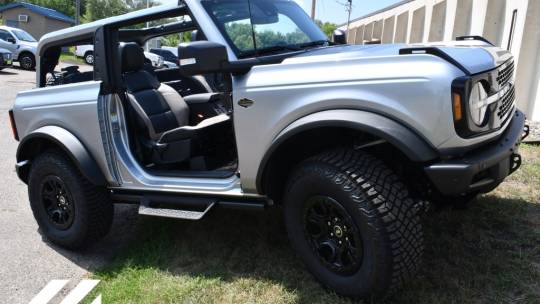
(313, 5)
(349, 10)
(77, 12)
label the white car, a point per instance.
(87, 53)
(21, 44)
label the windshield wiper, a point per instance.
(285, 47)
(272, 49)
(314, 43)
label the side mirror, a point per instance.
(202, 57)
(339, 37)
(11, 39)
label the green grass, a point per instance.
(69, 57)
(489, 253)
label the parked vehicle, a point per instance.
(169, 64)
(350, 140)
(21, 44)
(170, 60)
(173, 50)
(87, 53)
(155, 60)
(6, 59)
(166, 54)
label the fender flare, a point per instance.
(67, 142)
(403, 138)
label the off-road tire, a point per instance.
(93, 210)
(27, 61)
(378, 203)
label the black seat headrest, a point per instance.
(131, 57)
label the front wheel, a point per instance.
(27, 61)
(353, 223)
(70, 211)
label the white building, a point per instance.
(511, 24)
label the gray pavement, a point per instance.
(27, 262)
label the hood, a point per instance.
(473, 56)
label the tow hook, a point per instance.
(515, 162)
(526, 130)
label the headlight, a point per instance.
(478, 103)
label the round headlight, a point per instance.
(477, 103)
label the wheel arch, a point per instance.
(25, 51)
(51, 137)
(332, 126)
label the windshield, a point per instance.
(256, 27)
(24, 36)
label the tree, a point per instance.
(327, 27)
(99, 9)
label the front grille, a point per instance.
(506, 102)
(505, 74)
(7, 56)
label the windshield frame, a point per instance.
(261, 52)
(19, 34)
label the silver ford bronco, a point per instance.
(262, 110)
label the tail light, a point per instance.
(13, 125)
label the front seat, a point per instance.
(161, 114)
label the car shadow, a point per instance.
(230, 245)
(6, 72)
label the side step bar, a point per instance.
(175, 213)
(183, 207)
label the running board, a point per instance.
(174, 213)
(184, 207)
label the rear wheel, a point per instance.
(27, 61)
(69, 210)
(352, 222)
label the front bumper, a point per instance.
(482, 169)
(5, 63)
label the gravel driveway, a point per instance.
(27, 263)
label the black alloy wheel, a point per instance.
(58, 202)
(332, 235)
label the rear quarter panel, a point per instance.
(72, 107)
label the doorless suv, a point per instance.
(263, 110)
(21, 44)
